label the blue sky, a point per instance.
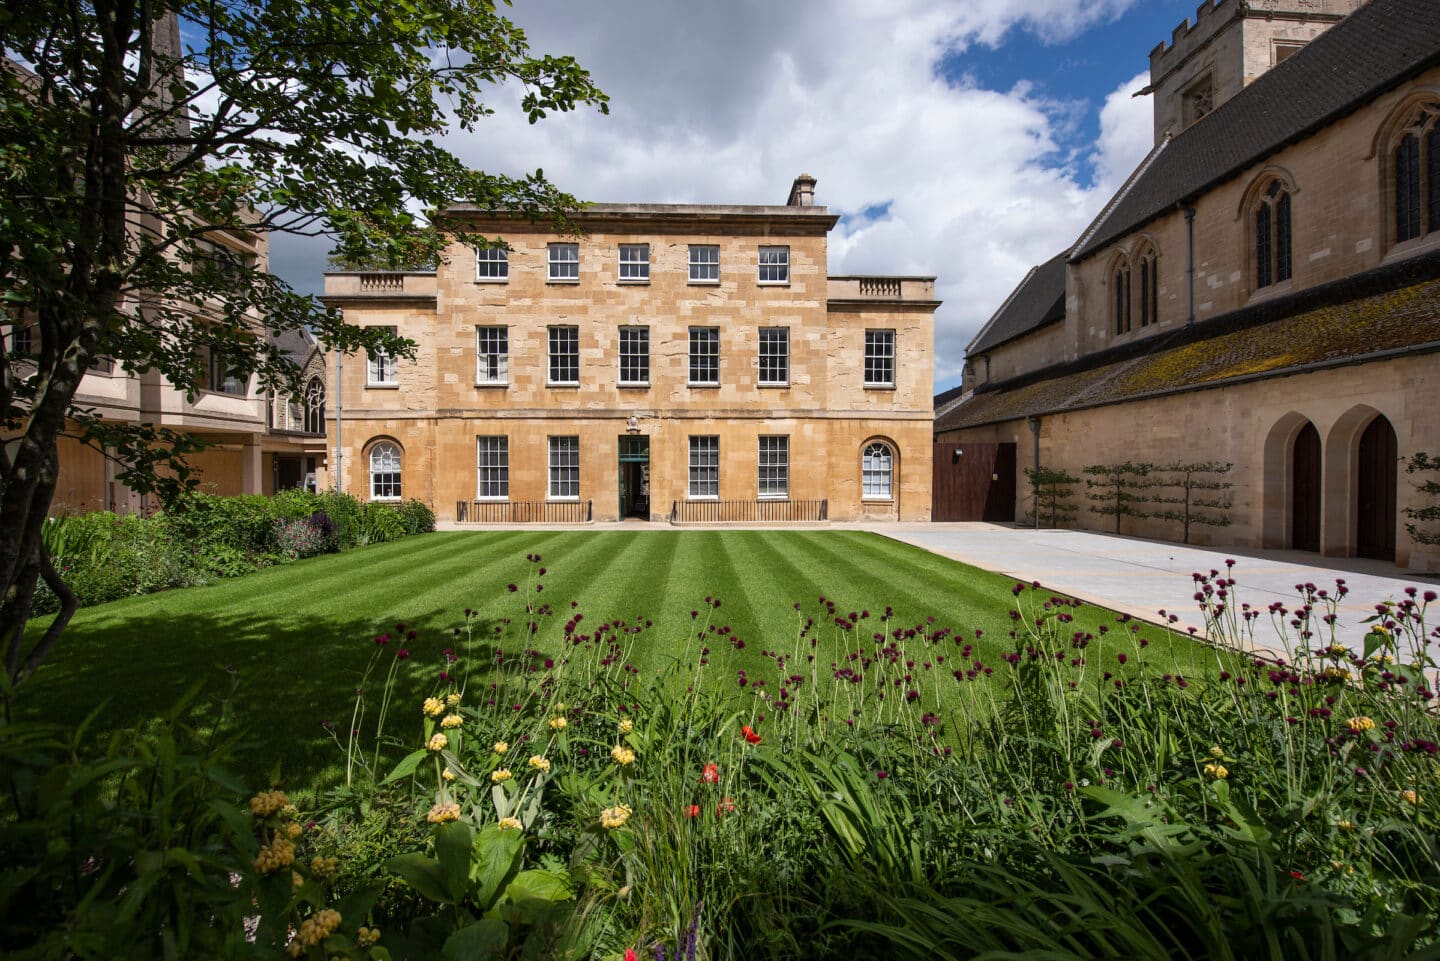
(965, 139)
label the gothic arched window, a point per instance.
(1272, 236)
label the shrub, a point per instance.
(344, 512)
(296, 539)
(416, 517)
(379, 523)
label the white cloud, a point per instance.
(726, 103)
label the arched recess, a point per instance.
(315, 406)
(1405, 140)
(1342, 481)
(1266, 219)
(1121, 319)
(1293, 484)
(880, 475)
(384, 460)
(1377, 463)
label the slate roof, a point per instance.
(296, 344)
(1377, 47)
(1377, 314)
(1038, 300)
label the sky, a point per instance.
(965, 139)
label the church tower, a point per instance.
(1229, 44)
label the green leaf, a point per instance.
(497, 858)
(484, 939)
(423, 874)
(406, 767)
(538, 885)
(452, 847)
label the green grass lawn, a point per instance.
(296, 639)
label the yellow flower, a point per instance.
(448, 774)
(1337, 650)
(292, 830)
(324, 867)
(1380, 629)
(622, 755)
(318, 927)
(365, 937)
(1217, 751)
(295, 879)
(452, 720)
(267, 803)
(279, 853)
(1360, 723)
(540, 764)
(558, 723)
(1412, 797)
(295, 949)
(452, 699)
(500, 775)
(500, 747)
(612, 818)
(510, 824)
(626, 725)
(1217, 771)
(1346, 825)
(434, 707)
(438, 742)
(1337, 673)
(444, 813)
(560, 706)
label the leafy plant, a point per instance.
(1051, 489)
(1422, 518)
(1114, 490)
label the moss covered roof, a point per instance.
(1247, 344)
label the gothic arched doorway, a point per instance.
(1305, 490)
(1375, 491)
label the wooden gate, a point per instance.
(973, 482)
(1305, 490)
(1375, 492)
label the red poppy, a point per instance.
(711, 774)
(693, 811)
(750, 734)
(630, 955)
(724, 807)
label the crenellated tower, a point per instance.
(1227, 45)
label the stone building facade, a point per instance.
(1263, 291)
(685, 362)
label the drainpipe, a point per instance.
(339, 418)
(1035, 429)
(1189, 266)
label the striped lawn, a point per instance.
(295, 639)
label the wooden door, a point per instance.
(1305, 491)
(973, 482)
(1375, 492)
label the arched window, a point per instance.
(878, 473)
(1272, 236)
(1149, 305)
(1417, 175)
(315, 406)
(384, 471)
(1120, 280)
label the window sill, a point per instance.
(493, 500)
(879, 386)
(492, 384)
(210, 392)
(563, 500)
(634, 282)
(389, 386)
(562, 383)
(1412, 247)
(703, 384)
(775, 386)
(1261, 294)
(877, 500)
(492, 280)
(562, 281)
(704, 283)
(773, 498)
(772, 283)
(633, 385)
(712, 498)
(385, 500)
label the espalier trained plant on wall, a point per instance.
(1421, 527)
(1050, 491)
(1194, 494)
(1114, 491)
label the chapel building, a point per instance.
(1263, 291)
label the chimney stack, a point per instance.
(802, 192)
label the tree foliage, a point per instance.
(138, 138)
(1115, 490)
(1193, 493)
(1051, 489)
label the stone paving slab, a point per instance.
(1142, 578)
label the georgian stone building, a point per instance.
(681, 362)
(1264, 290)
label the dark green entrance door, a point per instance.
(634, 470)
